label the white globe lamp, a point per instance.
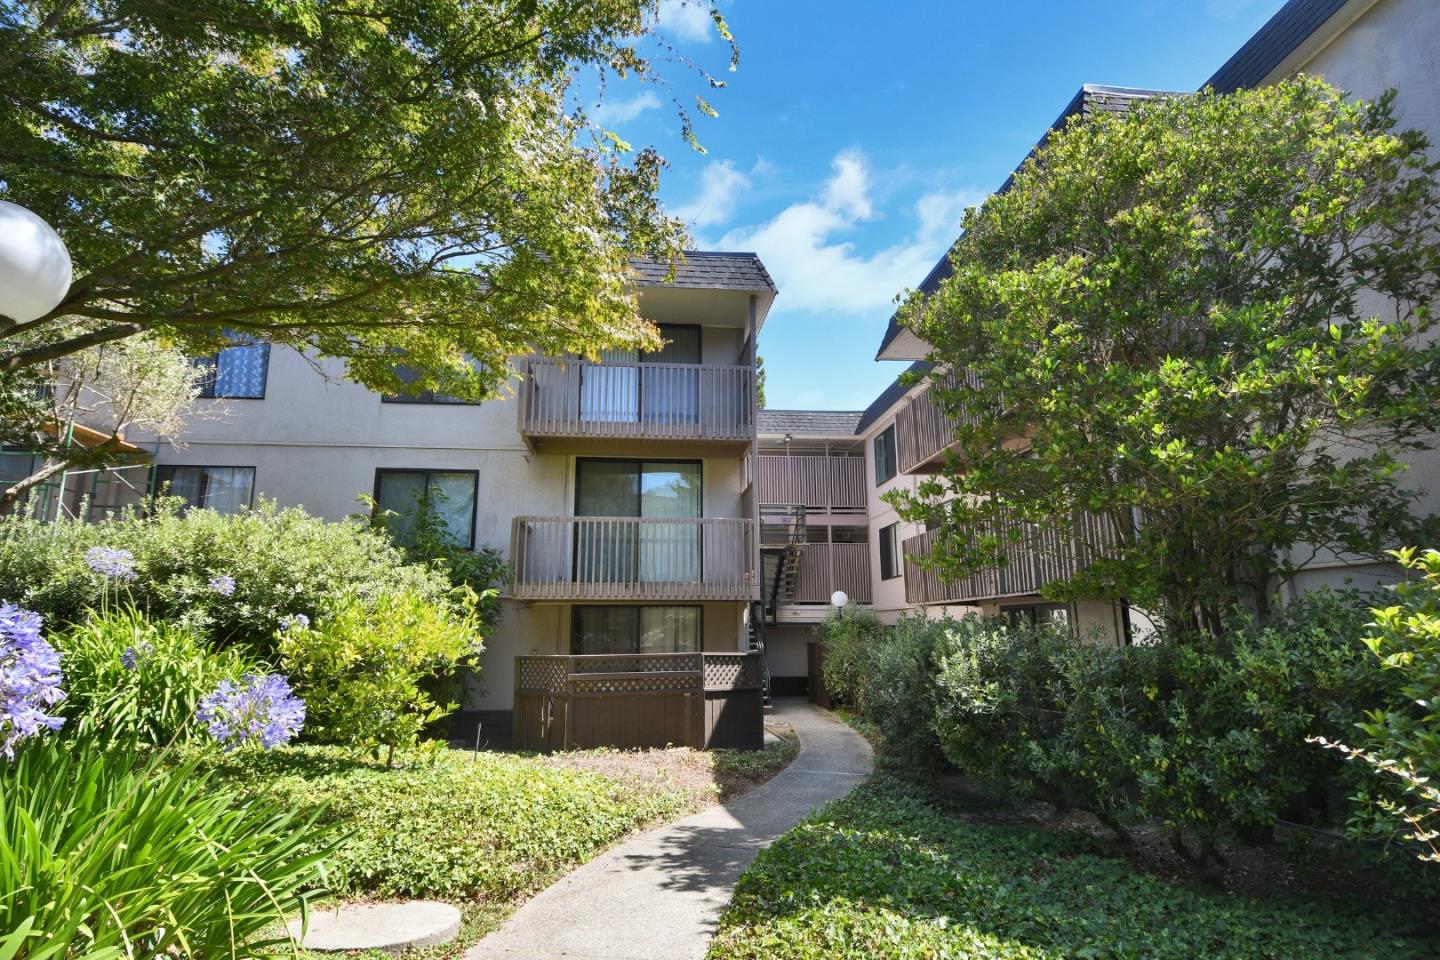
(35, 267)
(838, 599)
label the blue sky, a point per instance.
(853, 135)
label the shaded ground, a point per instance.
(705, 777)
(1297, 863)
(658, 896)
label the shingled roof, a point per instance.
(807, 423)
(709, 270)
(1090, 100)
(1281, 36)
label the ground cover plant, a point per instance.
(884, 874)
(448, 823)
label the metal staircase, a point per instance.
(782, 539)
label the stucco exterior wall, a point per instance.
(1392, 44)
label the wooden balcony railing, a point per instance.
(632, 558)
(677, 401)
(923, 432)
(827, 567)
(822, 484)
(639, 700)
(1042, 555)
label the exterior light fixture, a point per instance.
(838, 599)
(35, 269)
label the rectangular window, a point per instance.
(222, 489)
(235, 373)
(884, 449)
(410, 375)
(892, 563)
(451, 494)
(630, 629)
(657, 490)
(1036, 613)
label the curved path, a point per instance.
(658, 896)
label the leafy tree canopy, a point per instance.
(350, 177)
(1208, 321)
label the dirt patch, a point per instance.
(704, 777)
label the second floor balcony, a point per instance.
(642, 400)
(632, 558)
(1036, 557)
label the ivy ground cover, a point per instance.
(882, 874)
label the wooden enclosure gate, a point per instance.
(698, 700)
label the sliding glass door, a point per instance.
(665, 495)
(623, 388)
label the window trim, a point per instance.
(891, 462)
(208, 393)
(699, 623)
(474, 501)
(254, 477)
(895, 555)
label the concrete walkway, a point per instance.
(659, 895)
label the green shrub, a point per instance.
(848, 638)
(998, 709)
(1207, 737)
(424, 538)
(362, 669)
(132, 680)
(1402, 741)
(282, 561)
(105, 855)
(1229, 752)
(898, 691)
(883, 875)
(451, 824)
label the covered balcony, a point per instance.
(1040, 556)
(923, 432)
(632, 558)
(640, 399)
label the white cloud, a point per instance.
(720, 186)
(686, 20)
(612, 112)
(816, 270)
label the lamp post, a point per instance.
(838, 600)
(35, 269)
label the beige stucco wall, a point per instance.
(1391, 44)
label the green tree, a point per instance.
(353, 178)
(1207, 321)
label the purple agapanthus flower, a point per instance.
(131, 657)
(294, 621)
(260, 709)
(223, 584)
(111, 562)
(29, 678)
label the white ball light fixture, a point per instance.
(839, 599)
(35, 269)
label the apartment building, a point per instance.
(658, 523)
(621, 491)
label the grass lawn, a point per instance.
(884, 874)
(485, 831)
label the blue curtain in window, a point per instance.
(240, 371)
